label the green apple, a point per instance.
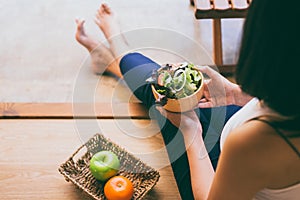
(104, 165)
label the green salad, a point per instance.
(176, 80)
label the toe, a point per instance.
(80, 33)
(106, 8)
(97, 21)
(80, 23)
(101, 10)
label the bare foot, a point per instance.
(107, 21)
(83, 38)
(109, 25)
(101, 56)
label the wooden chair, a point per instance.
(216, 10)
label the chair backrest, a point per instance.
(217, 9)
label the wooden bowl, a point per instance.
(182, 104)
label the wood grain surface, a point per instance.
(73, 110)
(32, 150)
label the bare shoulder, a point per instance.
(256, 143)
(257, 157)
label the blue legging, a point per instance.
(136, 68)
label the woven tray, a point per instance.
(77, 171)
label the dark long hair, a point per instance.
(268, 66)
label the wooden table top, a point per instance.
(32, 150)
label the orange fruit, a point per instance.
(118, 188)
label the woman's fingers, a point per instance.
(213, 74)
(207, 104)
(167, 114)
(175, 118)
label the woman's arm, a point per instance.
(244, 166)
(240, 97)
(201, 169)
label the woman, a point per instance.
(260, 142)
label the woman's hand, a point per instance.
(219, 91)
(188, 122)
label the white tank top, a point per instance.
(251, 110)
